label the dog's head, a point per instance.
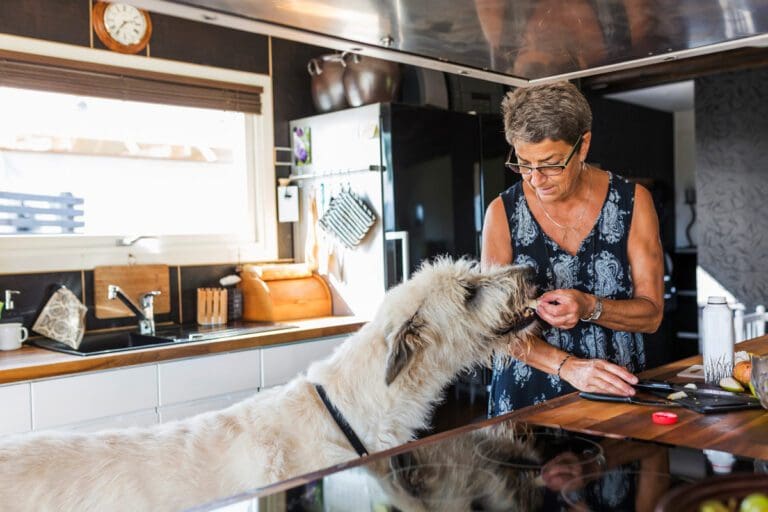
(455, 315)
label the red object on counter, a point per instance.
(664, 418)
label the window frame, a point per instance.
(32, 253)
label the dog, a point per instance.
(385, 380)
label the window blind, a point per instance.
(90, 79)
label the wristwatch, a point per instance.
(595, 312)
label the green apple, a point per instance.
(731, 384)
(756, 502)
(712, 506)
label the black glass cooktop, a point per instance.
(503, 467)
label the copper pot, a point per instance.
(369, 80)
(327, 86)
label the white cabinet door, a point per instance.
(195, 407)
(208, 376)
(70, 400)
(15, 415)
(136, 419)
(281, 364)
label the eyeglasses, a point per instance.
(545, 170)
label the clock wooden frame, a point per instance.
(99, 27)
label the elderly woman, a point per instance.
(592, 238)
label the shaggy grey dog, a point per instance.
(384, 379)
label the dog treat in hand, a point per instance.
(533, 303)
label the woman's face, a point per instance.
(550, 152)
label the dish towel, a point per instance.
(63, 318)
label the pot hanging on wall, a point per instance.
(327, 85)
(369, 80)
(340, 80)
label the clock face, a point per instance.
(125, 23)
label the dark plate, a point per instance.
(713, 404)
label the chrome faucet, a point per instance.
(146, 312)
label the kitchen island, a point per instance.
(565, 454)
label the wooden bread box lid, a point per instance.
(284, 299)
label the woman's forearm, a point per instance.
(638, 314)
(540, 355)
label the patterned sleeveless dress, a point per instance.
(600, 267)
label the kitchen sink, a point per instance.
(109, 342)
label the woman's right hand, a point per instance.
(598, 376)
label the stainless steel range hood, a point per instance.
(517, 42)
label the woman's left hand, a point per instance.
(564, 308)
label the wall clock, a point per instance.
(121, 27)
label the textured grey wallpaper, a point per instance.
(732, 181)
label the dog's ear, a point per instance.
(404, 343)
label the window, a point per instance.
(80, 173)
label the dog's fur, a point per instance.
(385, 379)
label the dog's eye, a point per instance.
(470, 291)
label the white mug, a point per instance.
(12, 335)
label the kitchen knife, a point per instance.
(600, 397)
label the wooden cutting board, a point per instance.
(134, 280)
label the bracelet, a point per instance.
(562, 363)
(595, 314)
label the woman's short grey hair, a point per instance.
(554, 111)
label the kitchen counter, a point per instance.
(741, 433)
(36, 363)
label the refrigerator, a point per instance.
(425, 173)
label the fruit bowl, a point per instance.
(690, 498)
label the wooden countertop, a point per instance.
(35, 363)
(740, 433)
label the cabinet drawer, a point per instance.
(182, 381)
(135, 419)
(77, 399)
(281, 364)
(16, 415)
(195, 407)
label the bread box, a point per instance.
(273, 297)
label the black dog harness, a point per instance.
(341, 422)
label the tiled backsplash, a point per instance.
(35, 289)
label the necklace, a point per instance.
(576, 224)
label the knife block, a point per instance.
(211, 306)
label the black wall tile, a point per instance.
(210, 45)
(292, 93)
(93, 323)
(35, 290)
(64, 21)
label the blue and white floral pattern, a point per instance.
(608, 275)
(527, 230)
(600, 266)
(525, 260)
